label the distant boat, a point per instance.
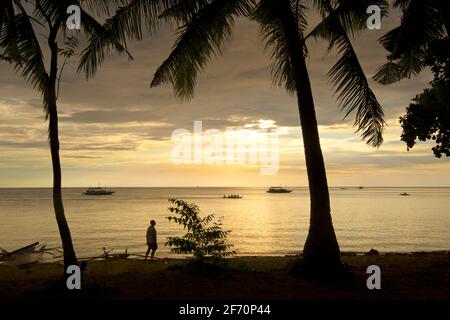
(404, 194)
(278, 190)
(23, 256)
(232, 196)
(360, 187)
(98, 191)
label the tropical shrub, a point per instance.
(204, 238)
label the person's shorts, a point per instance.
(153, 246)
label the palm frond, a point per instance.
(389, 73)
(354, 93)
(273, 34)
(102, 39)
(102, 7)
(5, 7)
(183, 11)
(300, 10)
(67, 52)
(421, 24)
(135, 15)
(351, 14)
(69, 48)
(127, 23)
(350, 82)
(403, 4)
(19, 46)
(48, 11)
(198, 41)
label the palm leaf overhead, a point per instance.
(183, 11)
(422, 23)
(273, 34)
(101, 8)
(401, 3)
(19, 43)
(198, 41)
(350, 83)
(102, 40)
(351, 14)
(128, 22)
(20, 46)
(4, 7)
(354, 93)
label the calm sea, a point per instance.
(261, 223)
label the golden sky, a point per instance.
(116, 130)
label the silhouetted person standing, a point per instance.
(152, 242)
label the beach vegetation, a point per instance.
(204, 237)
(409, 43)
(428, 117)
(419, 42)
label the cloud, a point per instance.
(20, 144)
(109, 116)
(116, 119)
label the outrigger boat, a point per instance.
(232, 196)
(27, 255)
(97, 191)
(278, 190)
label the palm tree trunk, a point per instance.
(321, 252)
(321, 249)
(64, 231)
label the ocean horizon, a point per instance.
(260, 223)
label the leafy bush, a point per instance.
(204, 237)
(428, 117)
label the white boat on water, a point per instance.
(27, 255)
(278, 190)
(98, 191)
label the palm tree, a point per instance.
(25, 28)
(422, 23)
(205, 25)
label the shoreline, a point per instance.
(293, 255)
(416, 276)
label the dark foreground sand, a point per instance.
(404, 276)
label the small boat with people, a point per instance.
(232, 196)
(404, 194)
(278, 190)
(27, 255)
(98, 191)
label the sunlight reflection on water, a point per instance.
(261, 223)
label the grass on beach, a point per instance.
(403, 276)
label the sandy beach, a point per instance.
(420, 275)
